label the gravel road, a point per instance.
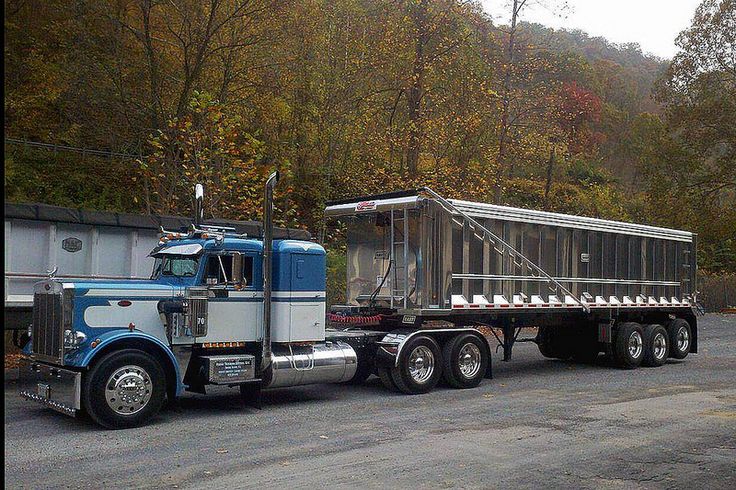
(537, 423)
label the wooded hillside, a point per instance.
(349, 97)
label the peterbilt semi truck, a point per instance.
(432, 286)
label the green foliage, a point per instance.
(69, 180)
(336, 275)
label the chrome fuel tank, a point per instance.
(331, 362)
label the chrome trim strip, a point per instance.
(501, 277)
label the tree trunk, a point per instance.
(548, 184)
(506, 101)
(414, 98)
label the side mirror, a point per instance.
(237, 272)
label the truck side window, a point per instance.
(248, 270)
(215, 272)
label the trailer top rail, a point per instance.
(413, 199)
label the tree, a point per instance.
(207, 145)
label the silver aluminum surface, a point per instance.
(128, 390)
(436, 253)
(331, 362)
(227, 369)
(195, 310)
(52, 314)
(55, 387)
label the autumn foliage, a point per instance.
(352, 97)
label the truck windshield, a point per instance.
(175, 265)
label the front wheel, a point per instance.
(420, 366)
(124, 389)
(465, 360)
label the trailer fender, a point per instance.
(391, 345)
(125, 339)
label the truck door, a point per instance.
(234, 312)
(307, 315)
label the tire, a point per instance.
(465, 360)
(386, 379)
(585, 347)
(544, 344)
(362, 372)
(628, 346)
(144, 398)
(554, 343)
(681, 338)
(656, 345)
(420, 366)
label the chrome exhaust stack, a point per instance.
(267, 354)
(198, 204)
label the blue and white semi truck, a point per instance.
(431, 285)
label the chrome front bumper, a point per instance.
(57, 388)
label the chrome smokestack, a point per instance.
(273, 179)
(198, 208)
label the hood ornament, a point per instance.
(52, 273)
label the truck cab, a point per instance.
(219, 308)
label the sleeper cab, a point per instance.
(298, 299)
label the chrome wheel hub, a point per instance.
(635, 345)
(659, 346)
(128, 390)
(421, 364)
(683, 339)
(469, 360)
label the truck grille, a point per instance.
(48, 327)
(196, 311)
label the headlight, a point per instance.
(73, 339)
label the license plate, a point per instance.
(44, 390)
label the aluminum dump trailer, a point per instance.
(414, 257)
(81, 244)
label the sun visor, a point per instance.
(184, 249)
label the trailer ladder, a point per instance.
(502, 247)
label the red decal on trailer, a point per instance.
(365, 206)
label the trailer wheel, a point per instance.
(680, 337)
(628, 347)
(656, 345)
(465, 361)
(386, 378)
(420, 366)
(585, 348)
(124, 389)
(553, 343)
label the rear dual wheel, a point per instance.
(628, 345)
(420, 366)
(680, 337)
(465, 361)
(656, 345)
(462, 362)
